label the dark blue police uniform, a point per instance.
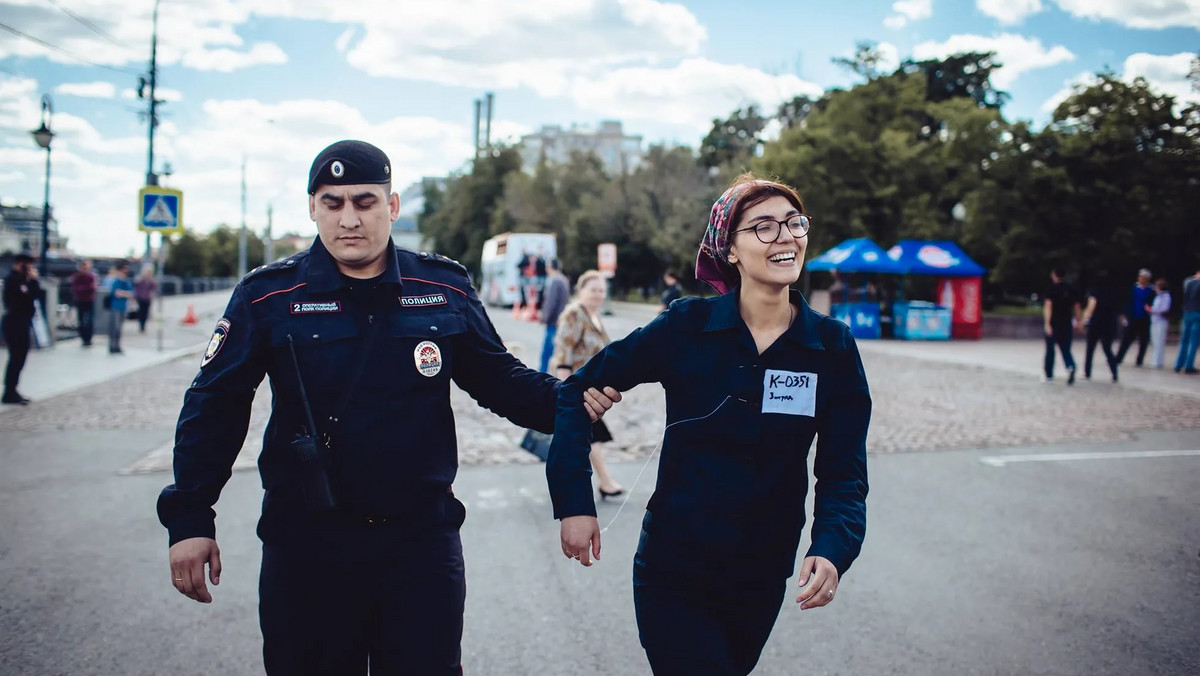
(382, 575)
(721, 531)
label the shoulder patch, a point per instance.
(288, 263)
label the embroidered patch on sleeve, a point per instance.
(423, 301)
(220, 334)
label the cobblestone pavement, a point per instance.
(920, 405)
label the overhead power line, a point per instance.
(98, 30)
(27, 36)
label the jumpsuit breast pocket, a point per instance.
(422, 348)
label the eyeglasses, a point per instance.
(767, 229)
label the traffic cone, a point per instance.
(190, 317)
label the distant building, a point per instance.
(412, 203)
(21, 231)
(618, 152)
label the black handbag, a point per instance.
(537, 443)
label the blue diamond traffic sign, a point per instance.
(160, 210)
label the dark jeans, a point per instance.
(1059, 336)
(116, 319)
(378, 598)
(1104, 338)
(701, 625)
(16, 337)
(548, 347)
(87, 321)
(1138, 328)
(143, 313)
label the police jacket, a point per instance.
(733, 474)
(393, 444)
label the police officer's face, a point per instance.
(775, 263)
(354, 223)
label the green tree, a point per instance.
(186, 257)
(735, 140)
(464, 220)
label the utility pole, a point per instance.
(151, 177)
(242, 234)
(269, 244)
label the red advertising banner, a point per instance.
(963, 295)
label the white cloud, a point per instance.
(908, 10)
(1150, 14)
(228, 60)
(343, 40)
(1017, 53)
(889, 57)
(1009, 12)
(1165, 73)
(87, 90)
(690, 94)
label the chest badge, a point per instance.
(423, 301)
(428, 357)
(298, 308)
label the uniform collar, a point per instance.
(803, 330)
(324, 276)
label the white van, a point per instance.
(499, 265)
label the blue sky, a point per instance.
(274, 81)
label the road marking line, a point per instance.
(1002, 460)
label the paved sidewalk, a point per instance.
(68, 366)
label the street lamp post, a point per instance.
(43, 135)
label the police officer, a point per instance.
(362, 562)
(21, 290)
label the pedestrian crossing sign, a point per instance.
(160, 210)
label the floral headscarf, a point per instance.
(712, 260)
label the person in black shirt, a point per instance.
(1060, 307)
(1100, 318)
(672, 292)
(21, 290)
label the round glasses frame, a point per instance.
(767, 229)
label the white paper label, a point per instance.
(790, 393)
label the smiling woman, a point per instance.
(751, 378)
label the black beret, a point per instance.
(22, 258)
(349, 163)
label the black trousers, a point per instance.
(16, 338)
(701, 624)
(1060, 337)
(373, 597)
(1138, 328)
(1104, 338)
(143, 313)
(87, 321)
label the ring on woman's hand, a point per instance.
(830, 592)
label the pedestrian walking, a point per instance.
(362, 564)
(556, 297)
(21, 291)
(1059, 311)
(1136, 318)
(119, 293)
(83, 295)
(751, 377)
(1159, 321)
(671, 292)
(1100, 322)
(1190, 340)
(579, 337)
(144, 291)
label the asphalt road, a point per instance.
(1064, 567)
(1076, 565)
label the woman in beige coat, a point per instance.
(579, 337)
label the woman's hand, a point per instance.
(580, 537)
(824, 584)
